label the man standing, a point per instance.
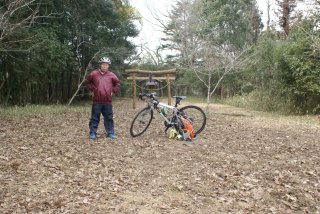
(102, 83)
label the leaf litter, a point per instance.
(239, 164)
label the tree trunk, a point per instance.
(285, 17)
(2, 84)
(208, 93)
(268, 20)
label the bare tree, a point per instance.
(212, 61)
(196, 49)
(154, 55)
(201, 51)
(14, 15)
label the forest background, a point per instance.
(222, 50)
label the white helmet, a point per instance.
(105, 60)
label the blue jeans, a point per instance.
(106, 111)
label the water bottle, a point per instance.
(163, 110)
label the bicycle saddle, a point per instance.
(180, 97)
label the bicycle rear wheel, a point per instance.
(141, 122)
(196, 117)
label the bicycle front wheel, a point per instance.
(196, 117)
(141, 122)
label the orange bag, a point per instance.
(187, 129)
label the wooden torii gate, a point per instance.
(137, 74)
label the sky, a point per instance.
(151, 33)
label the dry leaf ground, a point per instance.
(244, 162)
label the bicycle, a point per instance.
(143, 118)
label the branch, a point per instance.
(12, 18)
(197, 74)
(155, 56)
(154, 13)
(134, 58)
(220, 79)
(227, 70)
(207, 85)
(84, 77)
(19, 6)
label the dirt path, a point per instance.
(244, 162)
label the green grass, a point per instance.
(261, 101)
(196, 99)
(269, 106)
(33, 110)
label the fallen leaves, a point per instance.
(239, 164)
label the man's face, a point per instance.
(104, 67)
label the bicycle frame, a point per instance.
(173, 116)
(164, 117)
(157, 105)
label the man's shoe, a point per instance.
(112, 136)
(92, 135)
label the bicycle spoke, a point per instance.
(196, 117)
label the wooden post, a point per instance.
(160, 75)
(168, 89)
(134, 104)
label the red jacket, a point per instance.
(102, 85)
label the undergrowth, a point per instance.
(36, 110)
(262, 101)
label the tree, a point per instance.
(286, 10)
(256, 23)
(299, 74)
(67, 35)
(229, 21)
(15, 15)
(181, 31)
(210, 37)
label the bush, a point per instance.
(260, 100)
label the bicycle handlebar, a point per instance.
(142, 96)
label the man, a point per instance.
(102, 83)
